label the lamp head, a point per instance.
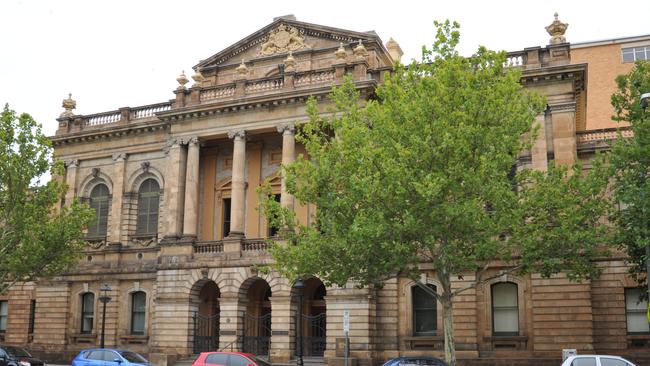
(645, 100)
(105, 287)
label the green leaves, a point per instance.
(630, 164)
(36, 239)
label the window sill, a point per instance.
(507, 342)
(638, 340)
(134, 338)
(83, 338)
(432, 342)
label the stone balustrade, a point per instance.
(315, 77)
(263, 85)
(207, 247)
(255, 245)
(124, 115)
(217, 92)
(602, 134)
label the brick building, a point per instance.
(178, 236)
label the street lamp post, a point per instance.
(105, 288)
(299, 286)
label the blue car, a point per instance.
(415, 361)
(109, 357)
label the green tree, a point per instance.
(424, 174)
(630, 161)
(37, 239)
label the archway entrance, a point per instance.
(205, 318)
(257, 319)
(314, 318)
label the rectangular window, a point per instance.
(635, 311)
(87, 312)
(4, 313)
(32, 316)
(505, 309)
(226, 217)
(632, 54)
(138, 312)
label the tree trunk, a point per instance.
(448, 319)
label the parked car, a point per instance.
(596, 360)
(228, 359)
(16, 356)
(109, 357)
(415, 361)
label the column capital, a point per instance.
(289, 128)
(192, 140)
(174, 142)
(119, 157)
(74, 163)
(235, 134)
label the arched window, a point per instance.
(87, 312)
(425, 317)
(505, 309)
(99, 202)
(138, 312)
(148, 204)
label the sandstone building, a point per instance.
(178, 236)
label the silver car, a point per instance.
(596, 360)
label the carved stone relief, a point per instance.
(283, 39)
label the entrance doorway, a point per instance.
(205, 318)
(314, 318)
(257, 319)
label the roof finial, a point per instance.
(290, 63)
(198, 77)
(69, 104)
(242, 70)
(360, 51)
(556, 30)
(340, 52)
(182, 80)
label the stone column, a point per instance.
(563, 117)
(174, 189)
(231, 325)
(119, 168)
(288, 156)
(238, 190)
(191, 210)
(71, 180)
(282, 323)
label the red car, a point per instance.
(228, 359)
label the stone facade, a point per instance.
(208, 149)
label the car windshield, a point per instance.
(259, 361)
(16, 352)
(133, 357)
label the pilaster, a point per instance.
(119, 168)
(564, 132)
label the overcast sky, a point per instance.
(116, 53)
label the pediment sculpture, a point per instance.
(283, 39)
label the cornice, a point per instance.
(108, 132)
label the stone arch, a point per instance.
(255, 301)
(312, 324)
(204, 312)
(92, 180)
(139, 176)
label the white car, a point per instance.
(596, 360)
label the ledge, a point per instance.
(134, 338)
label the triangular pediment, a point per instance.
(284, 35)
